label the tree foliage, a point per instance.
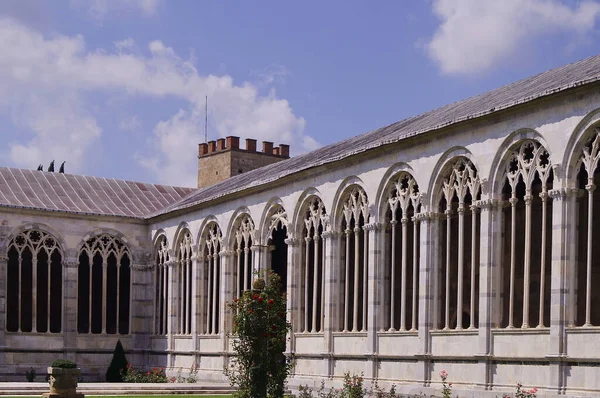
(260, 368)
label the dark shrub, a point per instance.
(118, 364)
(64, 364)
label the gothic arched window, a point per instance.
(587, 275)
(161, 287)
(526, 279)
(355, 215)
(461, 189)
(312, 277)
(103, 288)
(183, 273)
(34, 283)
(402, 253)
(244, 234)
(210, 292)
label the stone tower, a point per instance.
(218, 160)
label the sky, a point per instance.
(117, 88)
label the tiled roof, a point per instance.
(91, 195)
(31, 189)
(556, 80)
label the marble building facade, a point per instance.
(459, 240)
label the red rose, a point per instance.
(249, 311)
(255, 296)
(260, 299)
(270, 301)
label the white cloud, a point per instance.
(474, 35)
(44, 87)
(130, 123)
(99, 9)
(272, 74)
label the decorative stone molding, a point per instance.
(375, 226)
(558, 194)
(331, 234)
(142, 267)
(487, 204)
(71, 263)
(292, 241)
(428, 216)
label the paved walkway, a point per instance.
(37, 389)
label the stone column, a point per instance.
(257, 263)
(562, 258)
(490, 244)
(375, 293)
(332, 296)
(3, 262)
(428, 289)
(294, 266)
(172, 298)
(69, 305)
(141, 307)
(195, 294)
(227, 291)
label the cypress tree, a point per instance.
(117, 364)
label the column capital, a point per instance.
(331, 234)
(3, 257)
(427, 216)
(292, 241)
(170, 263)
(67, 263)
(559, 193)
(226, 253)
(142, 267)
(487, 204)
(374, 226)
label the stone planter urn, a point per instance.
(63, 383)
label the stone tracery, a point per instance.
(460, 245)
(211, 247)
(403, 204)
(104, 278)
(355, 215)
(528, 179)
(161, 286)
(34, 283)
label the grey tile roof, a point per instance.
(101, 196)
(31, 189)
(556, 80)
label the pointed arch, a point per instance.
(210, 247)
(455, 190)
(242, 238)
(581, 134)
(582, 177)
(274, 215)
(104, 283)
(162, 258)
(34, 280)
(505, 152)
(313, 221)
(522, 179)
(350, 184)
(400, 205)
(182, 274)
(351, 216)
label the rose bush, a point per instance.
(260, 368)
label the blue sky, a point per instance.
(116, 87)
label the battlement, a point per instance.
(233, 143)
(223, 158)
